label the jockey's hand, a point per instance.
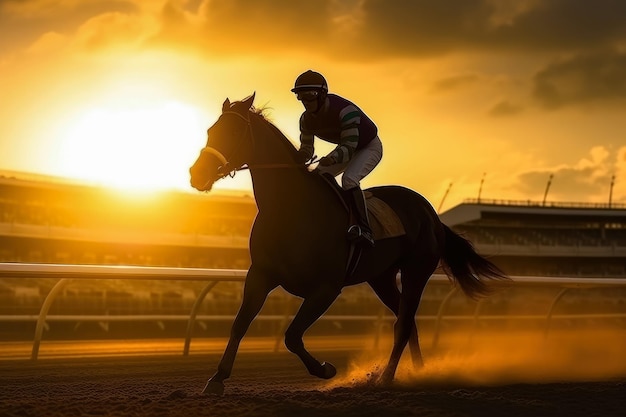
(303, 157)
(327, 161)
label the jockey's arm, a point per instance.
(306, 146)
(349, 139)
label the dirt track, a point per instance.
(276, 384)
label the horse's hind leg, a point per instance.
(386, 289)
(311, 309)
(414, 278)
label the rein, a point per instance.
(226, 164)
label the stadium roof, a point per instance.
(473, 209)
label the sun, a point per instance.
(139, 147)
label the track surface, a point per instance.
(275, 384)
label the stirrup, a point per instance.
(358, 234)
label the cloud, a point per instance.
(453, 83)
(237, 27)
(588, 179)
(505, 108)
(340, 29)
(23, 22)
(585, 78)
(50, 41)
(424, 27)
(111, 31)
(61, 10)
(367, 29)
(572, 25)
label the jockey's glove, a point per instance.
(327, 160)
(303, 156)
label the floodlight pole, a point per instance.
(545, 194)
(444, 198)
(611, 190)
(480, 188)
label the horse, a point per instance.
(298, 242)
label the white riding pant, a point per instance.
(362, 163)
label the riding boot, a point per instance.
(360, 232)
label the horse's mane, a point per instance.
(261, 113)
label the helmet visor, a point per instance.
(307, 95)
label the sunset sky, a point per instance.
(509, 91)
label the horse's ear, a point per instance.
(248, 101)
(226, 105)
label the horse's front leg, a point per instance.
(311, 309)
(255, 293)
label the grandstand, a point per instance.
(50, 220)
(53, 220)
(553, 239)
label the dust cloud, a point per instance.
(502, 357)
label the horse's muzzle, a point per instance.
(198, 181)
(202, 187)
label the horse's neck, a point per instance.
(279, 189)
(298, 213)
(280, 185)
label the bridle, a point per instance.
(225, 170)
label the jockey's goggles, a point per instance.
(307, 95)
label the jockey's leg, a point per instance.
(361, 164)
(361, 231)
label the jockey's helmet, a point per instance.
(311, 89)
(310, 80)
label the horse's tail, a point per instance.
(467, 268)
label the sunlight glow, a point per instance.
(139, 147)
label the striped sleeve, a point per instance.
(306, 142)
(349, 139)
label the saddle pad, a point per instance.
(384, 222)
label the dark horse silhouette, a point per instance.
(298, 241)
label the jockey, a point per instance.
(337, 120)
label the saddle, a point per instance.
(384, 221)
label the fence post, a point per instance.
(549, 316)
(41, 321)
(194, 312)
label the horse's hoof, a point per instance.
(385, 379)
(213, 388)
(328, 371)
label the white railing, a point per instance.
(67, 273)
(554, 204)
